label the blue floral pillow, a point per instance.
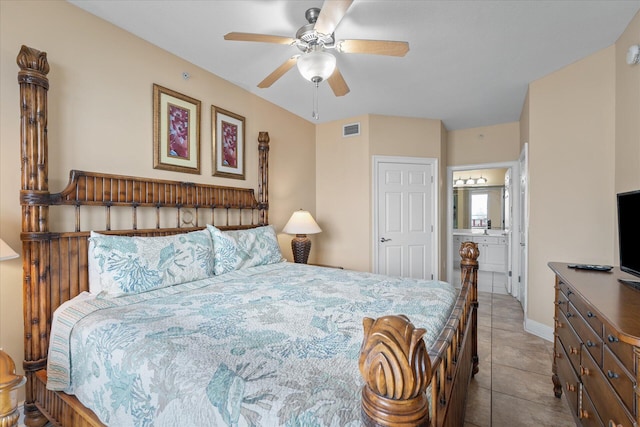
(121, 265)
(236, 249)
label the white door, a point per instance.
(508, 211)
(522, 228)
(406, 243)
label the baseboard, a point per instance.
(538, 329)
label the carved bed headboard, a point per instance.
(55, 262)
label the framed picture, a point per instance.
(176, 131)
(228, 143)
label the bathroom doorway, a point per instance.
(483, 208)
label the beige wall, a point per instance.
(343, 195)
(571, 173)
(627, 158)
(486, 144)
(101, 119)
(524, 122)
(343, 179)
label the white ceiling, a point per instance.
(469, 62)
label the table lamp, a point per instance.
(9, 381)
(301, 223)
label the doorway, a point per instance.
(492, 226)
(405, 214)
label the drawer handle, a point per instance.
(571, 387)
(590, 314)
(569, 314)
(611, 338)
(584, 415)
(613, 424)
(560, 302)
(590, 343)
(612, 375)
(573, 350)
(584, 371)
(569, 293)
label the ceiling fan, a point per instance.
(316, 40)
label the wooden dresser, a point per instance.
(597, 346)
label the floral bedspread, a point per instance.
(263, 346)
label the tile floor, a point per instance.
(513, 386)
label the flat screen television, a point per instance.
(629, 232)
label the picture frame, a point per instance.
(228, 143)
(176, 131)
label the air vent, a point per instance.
(352, 129)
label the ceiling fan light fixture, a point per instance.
(317, 65)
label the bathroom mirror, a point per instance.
(479, 199)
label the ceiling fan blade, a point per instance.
(265, 38)
(278, 72)
(331, 14)
(337, 83)
(374, 47)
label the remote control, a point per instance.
(593, 267)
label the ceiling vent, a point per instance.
(352, 129)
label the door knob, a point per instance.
(382, 240)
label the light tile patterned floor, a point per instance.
(513, 386)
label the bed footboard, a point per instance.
(397, 369)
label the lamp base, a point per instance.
(301, 246)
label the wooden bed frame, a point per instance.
(396, 366)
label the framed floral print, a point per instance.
(176, 131)
(228, 143)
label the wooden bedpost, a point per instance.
(263, 179)
(396, 369)
(34, 196)
(469, 272)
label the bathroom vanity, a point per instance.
(493, 267)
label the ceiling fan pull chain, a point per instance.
(315, 114)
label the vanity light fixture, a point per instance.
(470, 181)
(459, 181)
(481, 180)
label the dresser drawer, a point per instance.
(606, 401)
(588, 313)
(563, 302)
(569, 340)
(564, 288)
(568, 378)
(621, 349)
(587, 413)
(620, 379)
(587, 336)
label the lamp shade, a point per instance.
(301, 222)
(316, 66)
(6, 252)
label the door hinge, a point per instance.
(432, 179)
(510, 273)
(432, 277)
(432, 228)
(518, 279)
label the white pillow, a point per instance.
(236, 249)
(120, 265)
